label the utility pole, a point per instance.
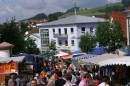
(75, 7)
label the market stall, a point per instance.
(116, 61)
(117, 68)
(83, 57)
(100, 58)
(9, 65)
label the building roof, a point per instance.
(34, 30)
(5, 45)
(127, 10)
(8, 59)
(100, 58)
(74, 20)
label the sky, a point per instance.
(23, 9)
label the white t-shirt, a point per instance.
(68, 84)
(103, 84)
(73, 80)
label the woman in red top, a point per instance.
(56, 74)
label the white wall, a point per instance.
(37, 39)
(4, 53)
(128, 33)
(77, 33)
(87, 28)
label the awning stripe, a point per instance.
(86, 56)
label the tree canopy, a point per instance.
(110, 35)
(31, 47)
(39, 16)
(54, 16)
(52, 45)
(14, 33)
(126, 3)
(11, 33)
(87, 42)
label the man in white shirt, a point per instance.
(104, 81)
(68, 78)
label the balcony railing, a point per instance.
(60, 35)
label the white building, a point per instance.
(66, 32)
(128, 25)
(35, 35)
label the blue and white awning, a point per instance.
(86, 56)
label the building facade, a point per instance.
(121, 18)
(35, 35)
(127, 13)
(66, 32)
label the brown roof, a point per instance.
(34, 30)
(127, 9)
(38, 21)
(5, 45)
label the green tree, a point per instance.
(39, 16)
(87, 42)
(14, 33)
(31, 47)
(126, 3)
(116, 37)
(72, 9)
(52, 45)
(11, 33)
(110, 35)
(102, 33)
(23, 27)
(54, 16)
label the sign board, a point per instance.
(63, 47)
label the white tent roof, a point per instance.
(17, 59)
(116, 61)
(8, 59)
(99, 58)
(61, 54)
(4, 60)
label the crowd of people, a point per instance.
(60, 75)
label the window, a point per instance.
(60, 42)
(83, 29)
(59, 31)
(72, 42)
(65, 29)
(91, 29)
(53, 30)
(72, 30)
(66, 43)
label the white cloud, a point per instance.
(27, 8)
(33, 4)
(113, 1)
(9, 9)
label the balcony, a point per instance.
(61, 36)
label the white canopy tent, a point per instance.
(99, 58)
(61, 54)
(5, 60)
(8, 59)
(116, 61)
